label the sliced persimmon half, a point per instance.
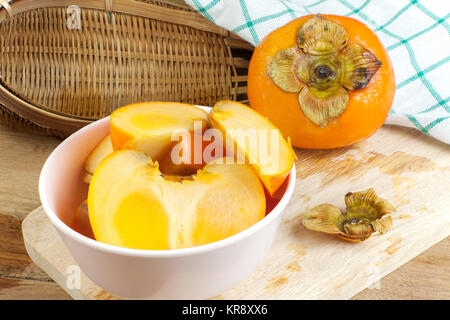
(131, 204)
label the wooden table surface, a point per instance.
(21, 158)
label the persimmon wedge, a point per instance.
(326, 81)
(131, 204)
(103, 149)
(150, 126)
(252, 138)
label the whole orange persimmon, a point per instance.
(325, 81)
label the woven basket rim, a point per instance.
(40, 114)
(131, 7)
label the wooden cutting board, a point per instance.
(407, 168)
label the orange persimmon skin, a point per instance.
(367, 108)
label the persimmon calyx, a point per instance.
(321, 68)
(364, 215)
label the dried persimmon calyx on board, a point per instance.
(365, 214)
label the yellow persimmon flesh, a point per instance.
(132, 205)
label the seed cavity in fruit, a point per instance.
(321, 68)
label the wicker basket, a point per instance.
(62, 67)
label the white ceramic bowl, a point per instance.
(191, 273)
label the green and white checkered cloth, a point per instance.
(415, 33)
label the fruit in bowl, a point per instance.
(135, 203)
